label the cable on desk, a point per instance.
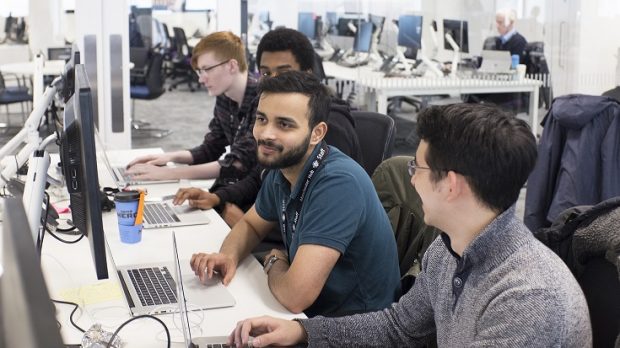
(72, 312)
(44, 222)
(139, 317)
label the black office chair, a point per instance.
(147, 84)
(537, 68)
(376, 134)
(13, 93)
(182, 70)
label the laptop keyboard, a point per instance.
(123, 174)
(154, 285)
(159, 213)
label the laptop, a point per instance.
(213, 341)
(165, 214)
(154, 288)
(495, 62)
(118, 172)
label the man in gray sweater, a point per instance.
(486, 281)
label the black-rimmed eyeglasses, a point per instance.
(412, 166)
(201, 71)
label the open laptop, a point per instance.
(153, 288)
(495, 62)
(118, 172)
(165, 214)
(213, 341)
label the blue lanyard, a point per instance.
(298, 200)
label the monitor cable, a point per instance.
(139, 317)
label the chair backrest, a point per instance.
(155, 76)
(180, 40)
(171, 43)
(317, 67)
(139, 56)
(490, 43)
(376, 134)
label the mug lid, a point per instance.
(126, 196)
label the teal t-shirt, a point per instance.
(341, 210)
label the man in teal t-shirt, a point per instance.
(340, 254)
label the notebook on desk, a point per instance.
(154, 288)
(495, 62)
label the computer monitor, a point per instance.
(458, 30)
(68, 86)
(378, 22)
(79, 163)
(410, 34)
(27, 317)
(363, 37)
(344, 29)
(306, 24)
(331, 22)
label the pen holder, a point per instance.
(129, 207)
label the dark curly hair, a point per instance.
(285, 39)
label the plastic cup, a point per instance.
(127, 207)
(515, 61)
(130, 233)
(521, 71)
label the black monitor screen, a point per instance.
(27, 317)
(68, 74)
(344, 29)
(363, 37)
(79, 163)
(458, 30)
(306, 24)
(410, 31)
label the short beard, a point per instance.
(289, 159)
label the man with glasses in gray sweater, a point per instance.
(486, 281)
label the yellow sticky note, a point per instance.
(93, 293)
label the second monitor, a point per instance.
(458, 30)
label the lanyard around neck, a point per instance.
(298, 200)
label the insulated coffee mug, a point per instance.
(126, 211)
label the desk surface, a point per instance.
(50, 67)
(69, 267)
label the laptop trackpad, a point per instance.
(211, 294)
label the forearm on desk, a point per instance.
(199, 171)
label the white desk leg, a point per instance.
(534, 110)
(371, 99)
(382, 103)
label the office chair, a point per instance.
(537, 68)
(376, 134)
(15, 93)
(148, 84)
(169, 51)
(181, 63)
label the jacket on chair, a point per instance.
(578, 158)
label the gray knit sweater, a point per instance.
(507, 290)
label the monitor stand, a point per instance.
(34, 190)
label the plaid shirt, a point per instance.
(231, 125)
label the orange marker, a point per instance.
(140, 213)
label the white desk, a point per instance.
(50, 67)
(70, 266)
(381, 88)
